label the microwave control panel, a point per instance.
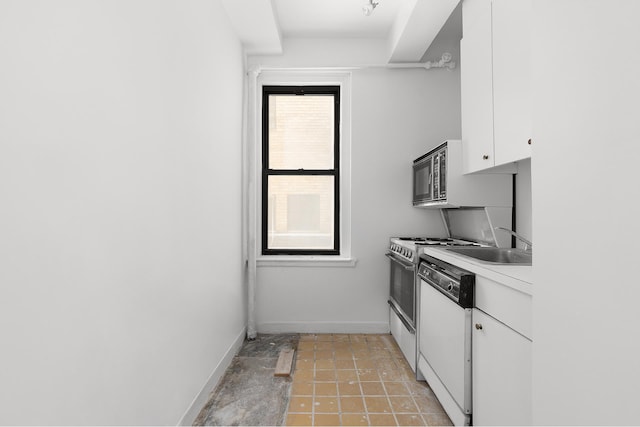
(440, 174)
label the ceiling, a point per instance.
(407, 27)
(335, 18)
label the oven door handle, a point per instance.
(406, 265)
(404, 321)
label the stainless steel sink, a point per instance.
(496, 255)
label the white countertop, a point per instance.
(519, 277)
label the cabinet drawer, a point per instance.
(509, 306)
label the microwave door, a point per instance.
(423, 180)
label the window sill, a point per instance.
(305, 261)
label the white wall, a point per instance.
(397, 115)
(120, 128)
(585, 212)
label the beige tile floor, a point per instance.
(350, 380)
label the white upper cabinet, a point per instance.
(477, 91)
(511, 79)
(495, 83)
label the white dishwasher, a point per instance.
(446, 300)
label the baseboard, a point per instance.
(324, 327)
(201, 398)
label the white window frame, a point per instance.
(301, 78)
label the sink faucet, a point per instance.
(527, 244)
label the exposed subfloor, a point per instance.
(338, 379)
(249, 394)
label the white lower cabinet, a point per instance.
(501, 373)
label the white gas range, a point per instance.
(404, 253)
(470, 226)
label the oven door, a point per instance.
(402, 290)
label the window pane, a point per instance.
(300, 214)
(301, 132)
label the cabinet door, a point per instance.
(511, 79)
(501, 373)
(476, 86)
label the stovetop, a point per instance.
(443, 241)
(408, 247)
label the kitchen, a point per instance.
(119, 299)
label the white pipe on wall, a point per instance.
(444, 62)
(250, 191)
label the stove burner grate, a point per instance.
(426, 239)
(434, 241)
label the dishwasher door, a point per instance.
(445, 343)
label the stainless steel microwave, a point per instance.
(440, 182)
(430, 177)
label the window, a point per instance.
(300, 170)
